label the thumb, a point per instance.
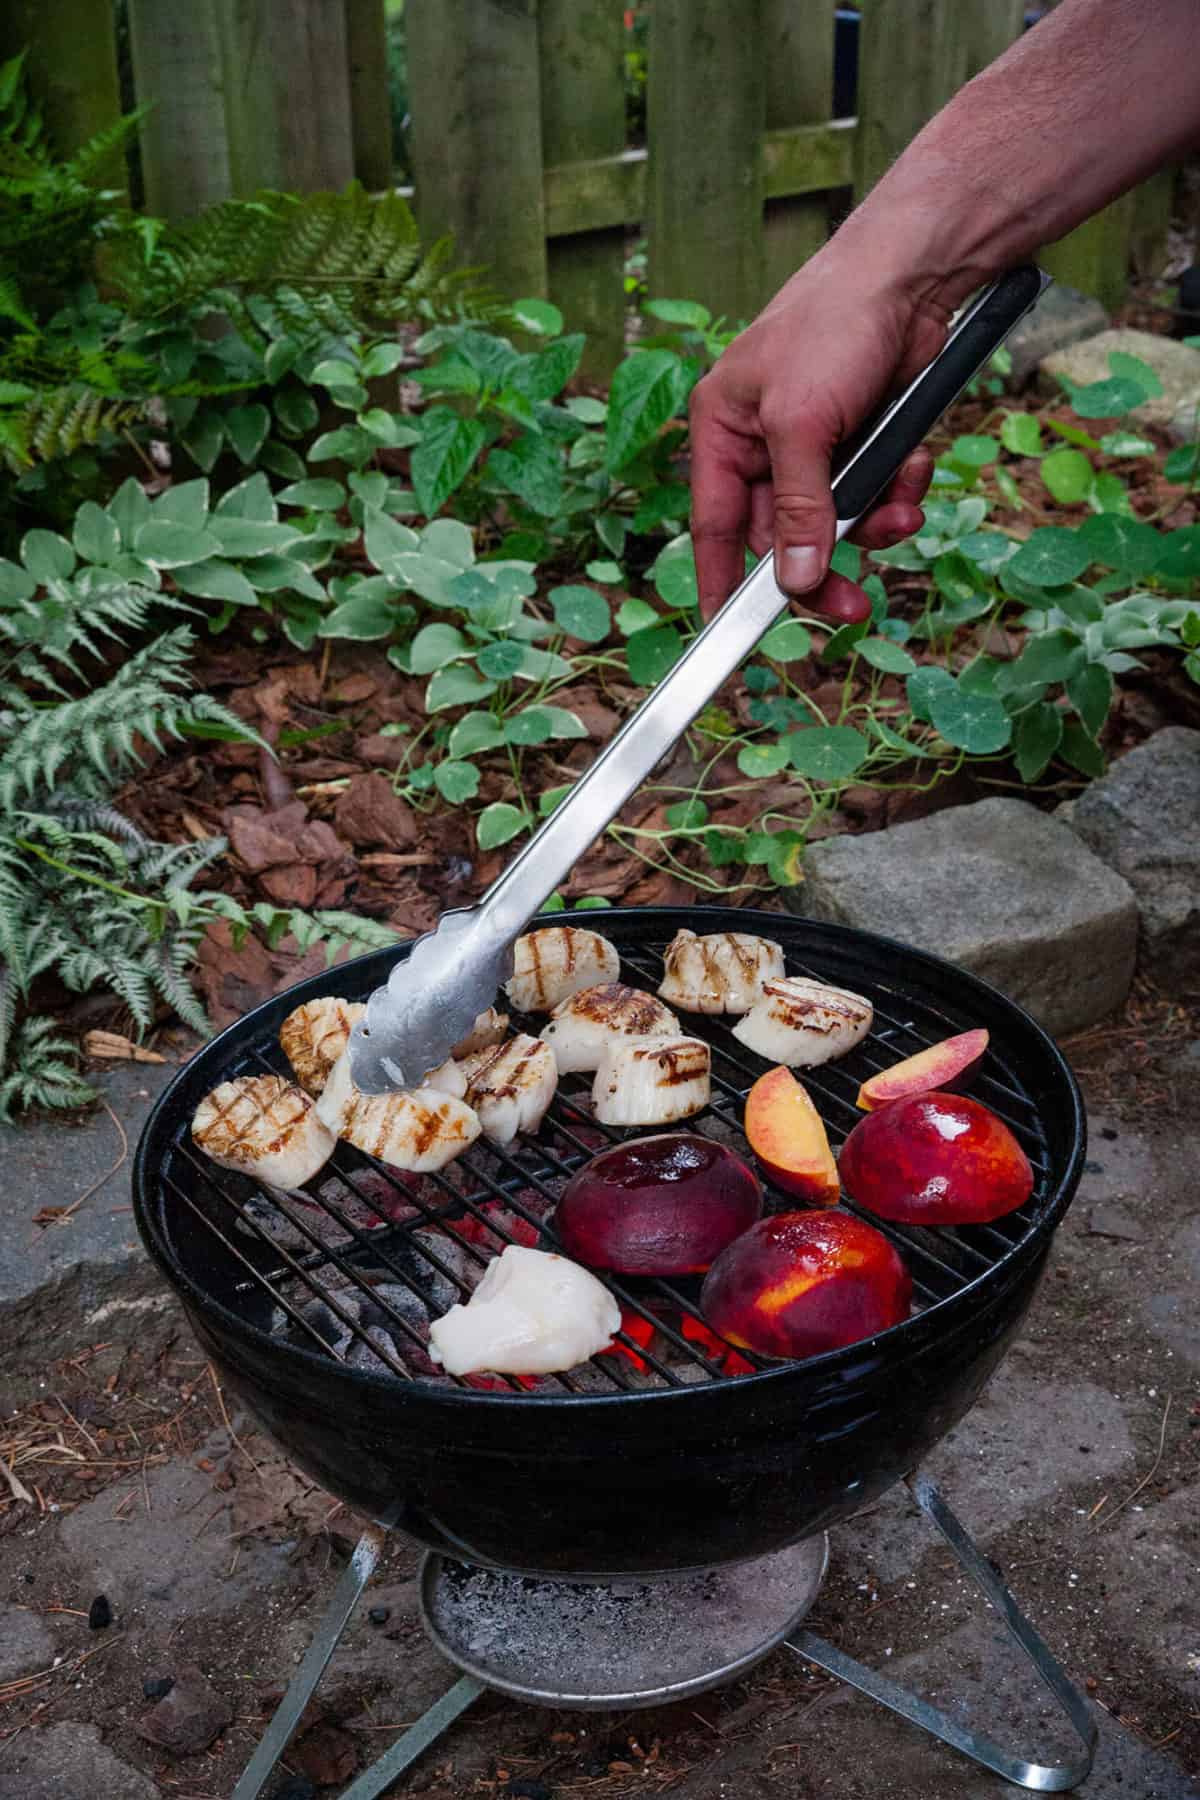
(804, 513)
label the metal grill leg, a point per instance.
(1041, 1777)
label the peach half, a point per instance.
(944, 1066)
(935, 1159)
(787, 1135)
(662, 1205)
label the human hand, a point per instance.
(820, 360)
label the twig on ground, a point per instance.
(1153, 1469)
(229, 1425)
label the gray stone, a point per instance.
(1176, 365)
(65, 1286)
(26, 1645)
(1143, 819)
(1001, 889)
(190, 1716)
(68, 1762)
(1061, 317)
(1183, 427)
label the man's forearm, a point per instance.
(1088, 103)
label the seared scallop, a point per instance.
(552, 964)
(583, 1026)
(533, 1313)
(652, 1081)
(803, 1023)
(418, 1131)
(488, 1029)
(723, 973)
(263, 1126)
(508, 1086)
(314, 1036)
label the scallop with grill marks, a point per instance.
(803, 1023)
(418, 1131)
(583, 1026)
(723, 973)
(263, 1126)
(552, 964)
(314, 1036)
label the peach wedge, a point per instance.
(945, 1066)
(935, 1159)
(787, 1135)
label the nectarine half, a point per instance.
(935, 1159)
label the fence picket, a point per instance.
(185, 156)
(72, 68)
(287, 94)
(370, 102)
(799, 72)
(706, 107)
(476, 134)
(583, 117)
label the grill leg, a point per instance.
(1043, 1778)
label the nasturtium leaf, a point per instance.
(213, 579)
(1068, 475)
(921, 687)
(635, 615)
(687, 815)
(647, 389)
(607, 572)
(1108, 494)
(436, 645)
(1125, 443)
(441, 461)
(979, 676)
(673, 572)
(723, 847)
(1007, 488)
(1081, 750)
(973, 451)
(761, 760)
(1037, 734)
(846, 560)
(955, 577)
(789, 641)
(845, 639)
(1051, 556)
(474, 732)
(95, 534)
(540, 317)
(976, 723)
(1090, 693)
(457, 685)
(1050, 656)
(891, 658)
(828, 752)
(528, 727)
(1133, 368)
(679, 312)
(456, 781)
(649, 653)
(1021, 434)
(1183, 465)
(591, 903)
(1179, 559)
(246, 427)
(1129, 545)
(499, 823)
(1105, 399)
(502, 660)
(581, 613)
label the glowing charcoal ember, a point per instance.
(534, 1313)
(804, 1023)
(551, 964)
(583, 1027)
(263, 1126)
(722, 973)
(935, 1159)
(315, 1035)
(641, 1331)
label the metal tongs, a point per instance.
(434, 995)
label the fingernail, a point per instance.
(802, 568)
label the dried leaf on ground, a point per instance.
(368, 813)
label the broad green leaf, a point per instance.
(987, 550)
(607, 572)
(297, 413)
(545, 374)
(1051, 656)
(1128, 545)
(436, 645)
(1090, 693)
(1179, 558)
(846, 560)
(498, 824)
(371, 487)
(1068, 475)
(184, 503)
(647, 389)
(170, 546)
(129, 509)
(789, 641)
(212, 579)
(673, 572)
(669, 500)
(976, 723)
(95, 534)
(1183, 465)
(456, 781)
(47, 556)
(1036, 736)
(301, 621)
(532, 470)
(459, 685)
(921, 687)
(1132, 368)
(381, 359)
(1109, 494)
(587, 409)
(1126, 443)
(828, 752)
(884, 655)
(388, 543)
(537, 316)
(246, 427)
(1021, 433)
(541, 665)
(251, 537)
(250, 499)
(581, 612)
(451, 540)
(979, 677)
(651, 652)
(474, 732)
(271, 574)
(204, 437)
(687, 815)
(1105, 399)
(563, 722)
(761, 760)
(1080, 604)
(1081, 750)
(679, 312)
(1051, 556)
(365, 614)
(844, 640)
(320, 492)
(443, 458)
(635, 615)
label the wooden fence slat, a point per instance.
(287, 94)
(706, 107)
(583, 117)
(799, 72)
(370, 101)
(72, 68)
(176, 56)
(1095, 256)
(476, 134)
(1152, 210)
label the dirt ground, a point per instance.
(1079, 1472)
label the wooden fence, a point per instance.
(518, 130)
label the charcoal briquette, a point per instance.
(379, 1615)
(157, 1687)
(100, 1613)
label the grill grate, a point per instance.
(295, 1265)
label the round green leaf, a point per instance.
(1106, 399)
(607, 572)
(973, 451)
(1183, 465)
(976, 723)
(635, 615)
(1021, 433)
(650, 653)
(456, 781)
(687, 815)
(1127, 545)
(529, 726)
(474, 732)
(1036, 736)
(883, 654)
(1179, 558)
(436, 645)
(789, 641)
(760, 760)
(674, 573)
(922, 685)
(537, 316)
(1068, 475)
(828, 752)
(498, 823)
(1050, 557)
(501, 661)
(581, 613)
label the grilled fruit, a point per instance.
(652, 1081)
(723, 973)
(314, 1036)
(787, 1135)
(663, 1205)
(587, 1023)
(263, 1126)
(533, 1313)
(943, 1066)
(552, 964)
(804, 1023)
(803, 1282)
(935, 1159)
(508, 1086)
(417, 1131)
(488, 1029)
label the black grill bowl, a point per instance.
(638, 1481)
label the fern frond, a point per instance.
(41, 1072)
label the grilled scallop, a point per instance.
(418, 1131)
(263, 1126)
(723, 973)
(488, 1029)
(803, 1023)
(652, 1081)
(583, 1026)
(314, 1036)
(533, 1313)
(552, 964)
(508, 1086)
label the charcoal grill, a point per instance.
(312, 1309)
